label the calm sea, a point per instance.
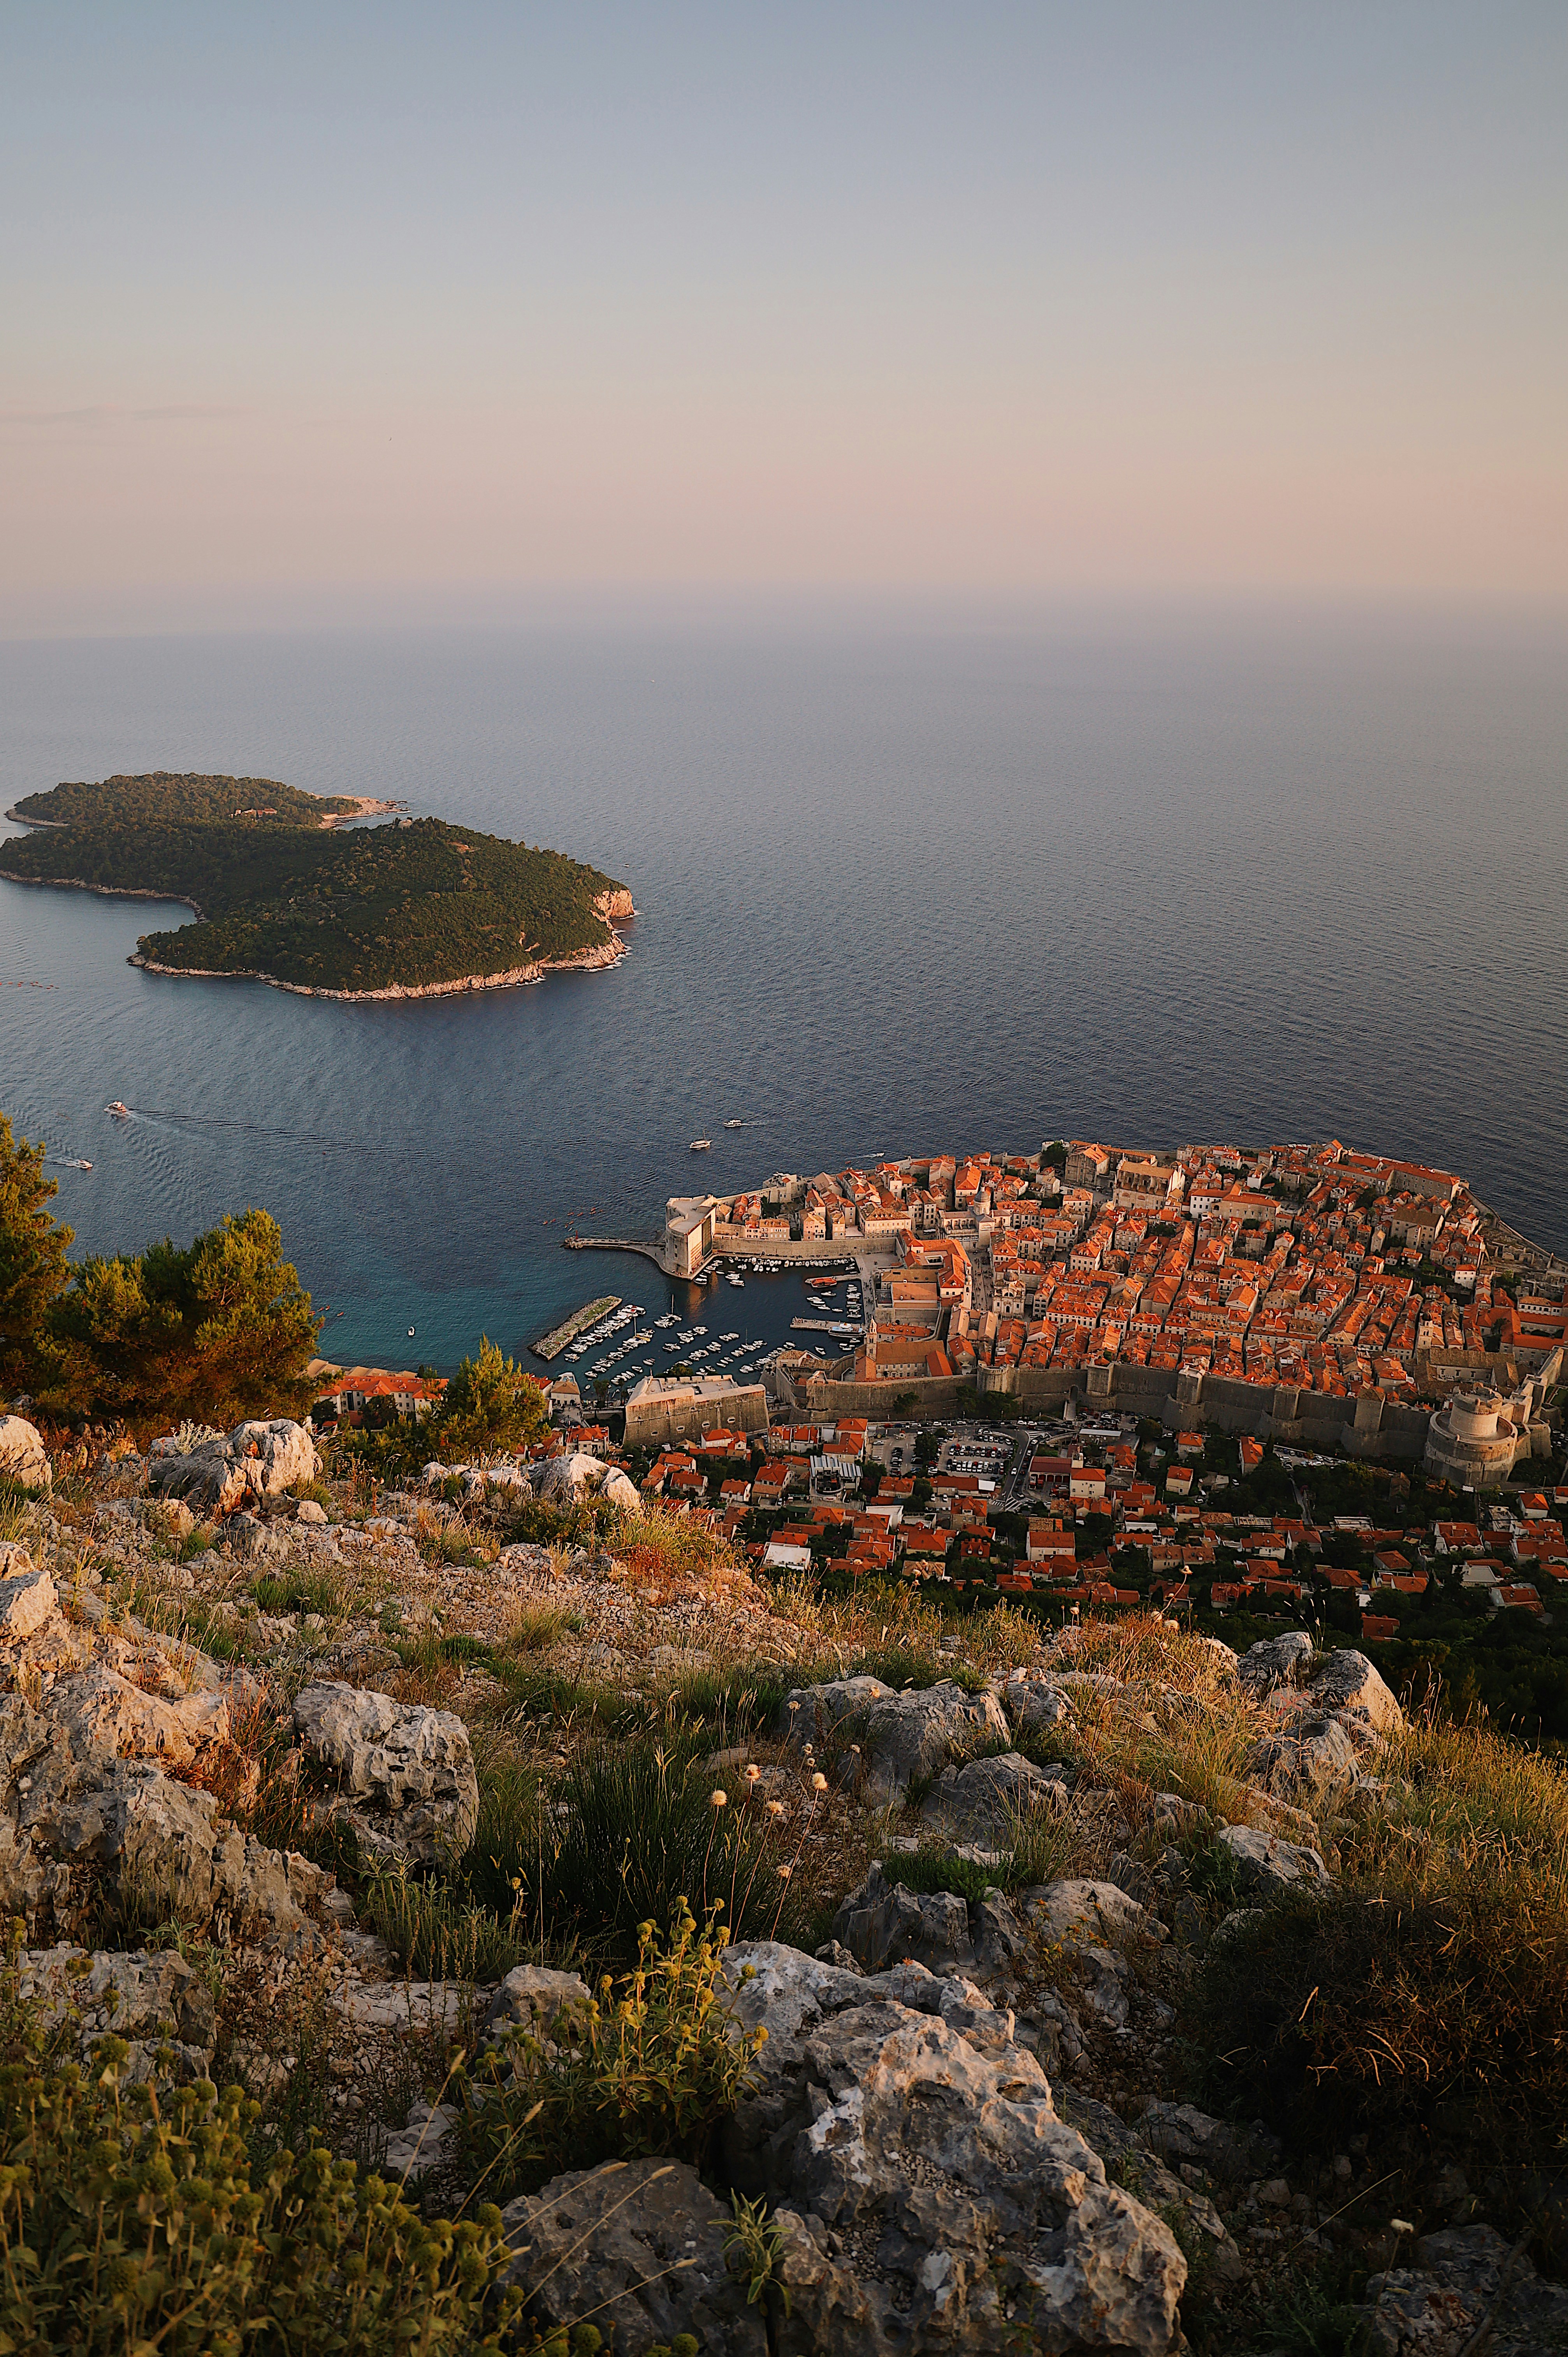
(899, 888)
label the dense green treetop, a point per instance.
(163, 797)
(34, 1270)
(215, 1329)
(413, 904)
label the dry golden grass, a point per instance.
(1462, 1807)
(443, 1536)
(666, 1556)
(1176, 1723)
(1425, 1993)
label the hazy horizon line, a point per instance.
(725, 606)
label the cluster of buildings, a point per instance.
(355, 1395)
(1118, 1522)
(1304, 1268)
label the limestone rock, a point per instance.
(1275, 1662)
(531, 1997)
(1348, 1685)
(640, 2246)
(424, 2145)
(97, 1710)
(508, 1475)
(1158, 2186)
(255, 1542)
(1181, 2132)
(1266, 1864)
(255, 1462)
(1222, 1659)
(382, 2007)
(930, 2196)
(1310, 1756)
(168, 1518)
(901, 1736)
(406, 1772)
(879, 1921)
(566, 1481)
(1093, 1913)
(1467, 2275)
(985, 1799)
(26, 1599)
(23, 1456)
(1034, 1701)
(145, 1998)
(163, 1846)
(311, 1512)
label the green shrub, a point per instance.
(440, 1934)
(933, 1867)
(1216, 1875)
(651, 2069)
(534, 1628)
(1427, 1989)
(1315, 2316)
(442, 1538)
(536, 1523)
(34, 1271)
(219, 1328)
(490, 1404)
(131, 2222)
(1356, 2010)
(502, 1865)
(299, 1590)
(638, 1833)
(735, 1701)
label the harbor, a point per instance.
(550, 1346)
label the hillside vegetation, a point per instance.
(164, 797)
(409, 906)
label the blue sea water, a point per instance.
(899, 887)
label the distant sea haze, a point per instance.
(900, 890)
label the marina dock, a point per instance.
(550, 1345)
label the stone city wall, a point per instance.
(659, 1423)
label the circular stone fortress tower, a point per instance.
(1477, 1438)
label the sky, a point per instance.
(347, 312)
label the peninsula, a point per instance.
(1308, 1295)
(285, 892)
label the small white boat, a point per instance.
(738, 1282)
(700, 1145)
(735, 1125)
(121, 1112)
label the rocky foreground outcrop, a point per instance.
(963, 2125)
(404, 1775)
(24, 1459)
(115, 1746)
(255, 1462)
(926, 2193)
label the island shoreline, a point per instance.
(540, 943)
(593, 959)
(365, 806)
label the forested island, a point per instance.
(283, 893)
